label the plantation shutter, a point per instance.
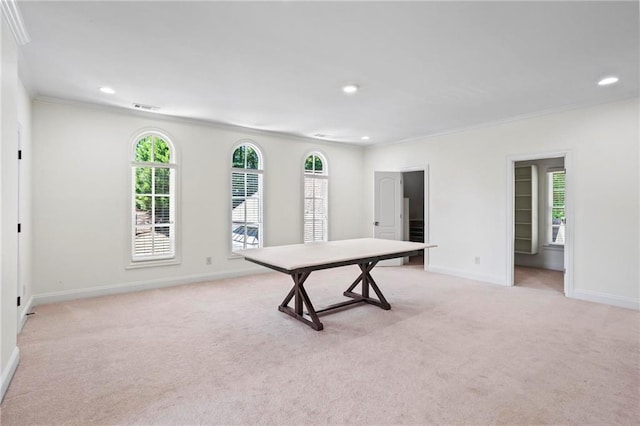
(316, 195)
(247, 211)
(153, 175)
(246, 198)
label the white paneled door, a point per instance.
(388, 209)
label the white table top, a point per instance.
(297, 256)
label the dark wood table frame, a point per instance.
(302, 300)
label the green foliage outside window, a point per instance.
(313, 164)
(152, 149)
(558, 195)
(244, 184)
(245, 157)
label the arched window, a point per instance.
(246, 197)
(316, 196)
(153, 172)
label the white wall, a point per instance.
(468, 199)
(81, 198)
(9, 353)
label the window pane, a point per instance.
(238, 157)
(308, 231)
(238, 235)
(252, 209)
(237, 204)
(318, 208)
(245, 236)
(162, 210)
(163, 180)
(308, 187)
(143, 244)
(161, 153)
(318, 165)
(143, 180)
(238, 188)
(308, 164)
(556, 206)
(308, 209)
(253, 184)
(162, 240)
(252, 158)
(253, 237)
(320, 187)
(143, 149)
(318, 230)
(143, 209)
(558, 213)
(557, 236)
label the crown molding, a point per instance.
(13, 16)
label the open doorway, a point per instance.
(414, 211)
(401, 209)
(538, 214)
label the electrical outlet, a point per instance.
(208, 261)
(477, 260)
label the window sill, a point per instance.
(554, 247)
(152, 263)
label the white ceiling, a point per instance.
(424, 68)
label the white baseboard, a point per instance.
(608, 299)
(492, 279)
(587, 295)
(23, 314)
(62, 296)
(9, 371)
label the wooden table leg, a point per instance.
(301, 300)
(367, 282)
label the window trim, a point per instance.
(260, 172)
(324, 176)
(153, 261)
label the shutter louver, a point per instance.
(315, 208)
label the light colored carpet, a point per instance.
(543, 279)
(450, 351)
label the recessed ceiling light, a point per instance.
(608, 80)
(350, 89)
(107, 90)
(365, 138)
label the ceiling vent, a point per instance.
(145, 107)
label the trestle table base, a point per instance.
(302, 300)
